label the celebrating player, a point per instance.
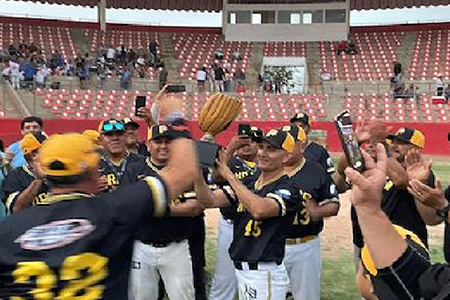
(24, 186)
(319, 200)
(162, 247)
(81, 245)
(258, 245)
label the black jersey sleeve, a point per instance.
(327, 190)
(287, 198)
(11, 188)
(145, 198)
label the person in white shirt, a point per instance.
(439, 85)
(15, 74)
(110, 54)
(201, 79)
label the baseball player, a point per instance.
(161, 248)
(80, 245)
(313, 151)
(115, 159)
(319, 200)
(131, 138)
(263, 210)
(241, 153)
(25, 186)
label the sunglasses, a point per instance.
(113, 127)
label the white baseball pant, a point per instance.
(269, 282)
(173, 263)
(304, 265)
(224, 283)
(15, 81)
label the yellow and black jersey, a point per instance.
(115, 171)
(16, 182)
(242, 169)
(400, 207)
(79, 246)
(314, 184)
(262, 240)
(163, 230)
(318, 153)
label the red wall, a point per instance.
(436, 134)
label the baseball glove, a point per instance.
(217, 113)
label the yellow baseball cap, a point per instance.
(69, 154)
(411, 136)
(32, 141)
(280, 139)
(366, 258)
(297, 132)
(92, 134)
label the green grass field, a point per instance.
(338, 274)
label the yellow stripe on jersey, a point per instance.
(159, 195)
(9, 201)
(280, 201)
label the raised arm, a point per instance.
(208, 198)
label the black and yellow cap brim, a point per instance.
(32, 142)
(157, 131)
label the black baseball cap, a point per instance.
(157, 131)
(411, 136)
(256, 134)
(129, 122)
(111, 125)
(302, 117)
(280, 139)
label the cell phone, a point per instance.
(207, 153)
(176, 88)
(349, 142)
(141, 101)
(244, 129)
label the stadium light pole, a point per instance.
(101, 14)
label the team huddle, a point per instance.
(99, 216)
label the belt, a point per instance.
(255, 265)
(301, 240)
(161, 245)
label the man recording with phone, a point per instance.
(241, 154)
(264, 206)
(402, 271)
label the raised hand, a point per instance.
(431, 197)
(416, 166)
(367, 187)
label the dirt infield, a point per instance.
(337, 235)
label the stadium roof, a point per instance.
(216, 5)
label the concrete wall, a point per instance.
(285, 32)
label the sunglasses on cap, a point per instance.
(113, 127)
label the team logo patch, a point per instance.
(55, 234)
(135, 265)
(285, 194)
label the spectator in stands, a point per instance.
(227, 80)
(110, 55)
(439, 85)
(398, 73)
(140, 66)
(23, 47)
(277, 81)
(239, 76)
(219, 76)
(33, 48)
(12, 50)
(163, 75)
(237, 55)
(411, 92)
(218, 54)
(28, 73)
(342, 47)
(447, 92)
(202, 76)
(125, 79)
(14, 156)
(101, 74)
(153, 49)
(352, 49)
(14, 70)
(81, 71)
(69, 68)
(41, 76)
